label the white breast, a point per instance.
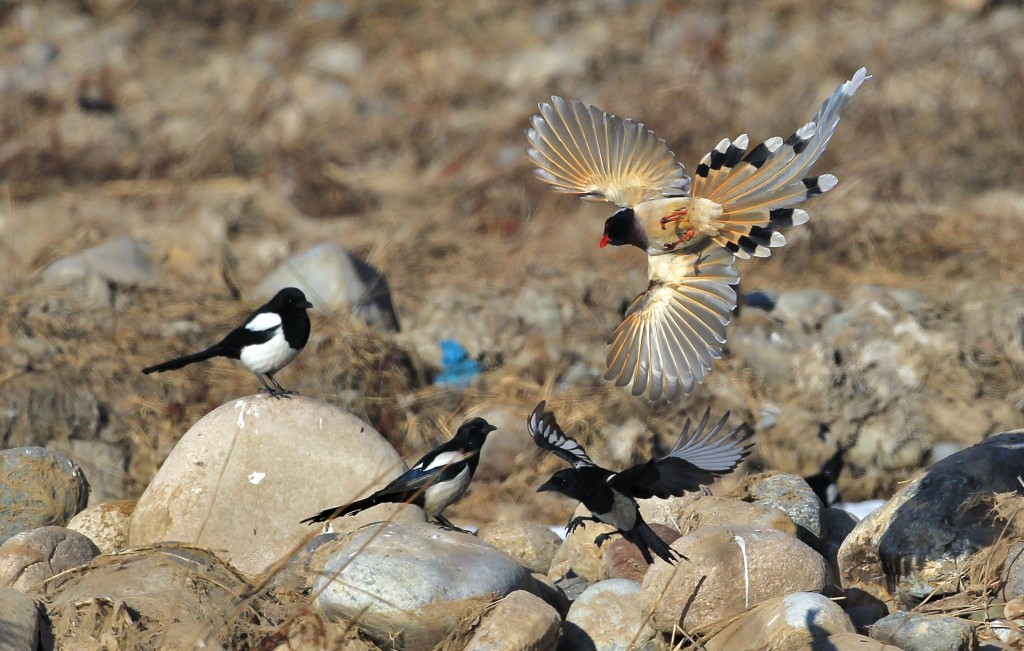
(268, 357)
(441, 494)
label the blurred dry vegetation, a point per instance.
(226, 136)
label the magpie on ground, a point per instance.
(267, 342)
(611, 497)
(434, 483)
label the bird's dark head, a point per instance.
(474, 432)
(619, 229)
(291, 298)
(565, 481)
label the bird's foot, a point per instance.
(575, 523)
(674, 217)
(447, 524)
(278, 394)
(687, 236)
(602, 539)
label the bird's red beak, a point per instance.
(604, 241)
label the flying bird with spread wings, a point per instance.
(691, 229)
(696, 460)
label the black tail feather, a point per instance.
(647, 541)
(347, 509)
(180, 362)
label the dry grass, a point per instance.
(228, 151)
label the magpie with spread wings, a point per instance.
(696, 460)
(691, 229)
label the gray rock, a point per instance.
(792, 622)
(805, 310)
(122, 261)
(519, 622)
(408, 584)
(791, 495)
(915, 632)
(730, 569)
(19, 617)
(1013, 572)
(532, 545)
(179, 592)
(31, 557)
(714, 511)
(104, 463)
(919, 541)
(335, 279)
(240, 481)
(38, 487)
(105, 524)
(838, 525)
(609, 616)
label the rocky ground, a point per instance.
(163, 165)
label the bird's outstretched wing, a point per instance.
(580, 149)
(674, 330)
(548, 435)
(758, 189)
(694, 461)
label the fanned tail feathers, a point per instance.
(758, 189)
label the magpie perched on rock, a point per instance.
(434, 483)
(267, 342)
(611, 497)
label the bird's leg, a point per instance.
(674, 217)
(696, 263)
(274, 393)
(446, 523)
(277, 385)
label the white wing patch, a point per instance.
(447, 459)
(264, 321)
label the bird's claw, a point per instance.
(575, 523)
(602, 539)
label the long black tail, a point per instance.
(180, 362)
(647, 541)
(354, 507)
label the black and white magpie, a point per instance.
(434, 483)
(825, 483)
(611, 497)
(267, 342)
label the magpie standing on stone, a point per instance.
(611, 497)
(434, 483)
(267, 342)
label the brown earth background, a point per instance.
(228, 136)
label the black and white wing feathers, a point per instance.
(696, 460)
(548, 435)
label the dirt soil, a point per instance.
(227, 136)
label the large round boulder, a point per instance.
(244, 476)
(408, 584)
(729, 570)
(921, 541)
